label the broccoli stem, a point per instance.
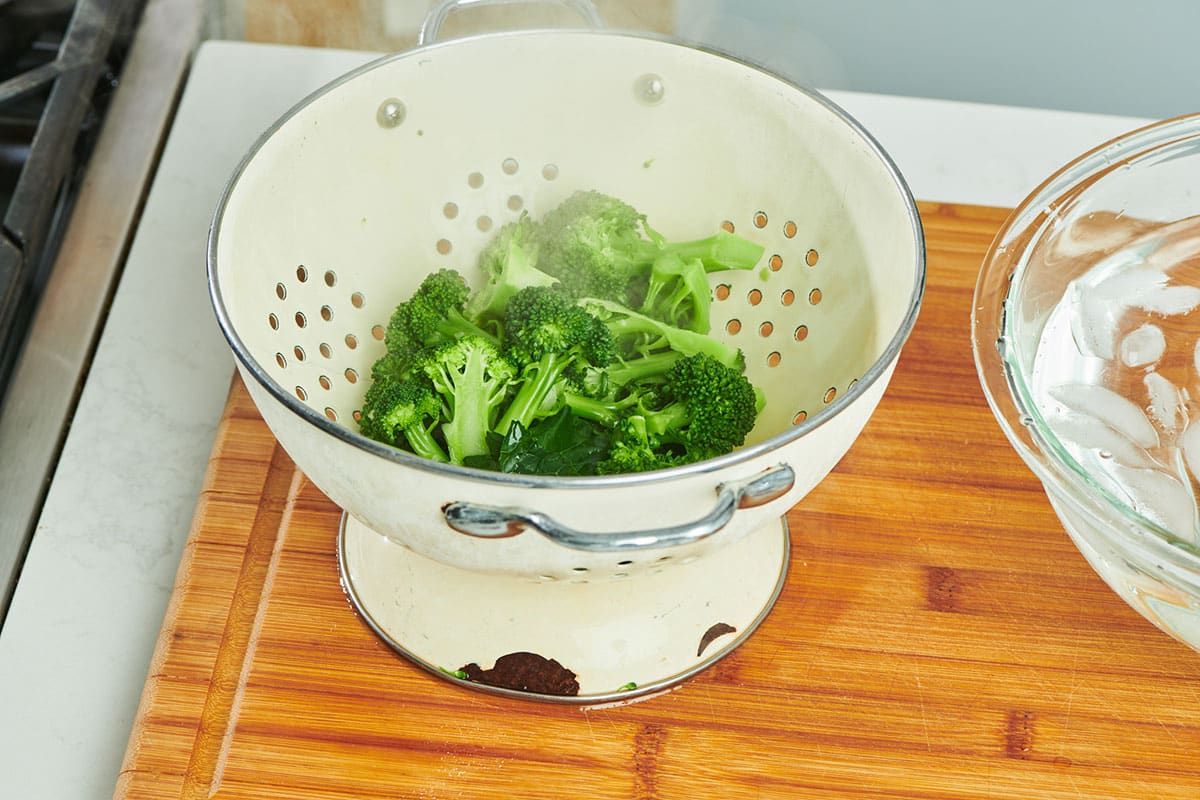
(456, 326)
(423, 444)
(606, 412)
(721, 251)
(648, 366)
(670, 418)
(685, 341)
(466, 431)
(511, 274)
(533, 392)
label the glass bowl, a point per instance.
(1085, 331)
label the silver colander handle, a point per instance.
(437, 15)
(491, 522)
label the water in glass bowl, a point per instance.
(1116, 373)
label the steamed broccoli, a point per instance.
(432, 316)
(585, 351)
(643, 368)
(546, 334)
(393, 408)
(636, 449)
(473, 379)
(677, 292)
(606, 411)
(712, 408)
(637, 333)
(700, 409)
(594, 244)
(509, 263)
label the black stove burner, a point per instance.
(22, 22)
(59, 62)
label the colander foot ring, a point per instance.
(615, 639)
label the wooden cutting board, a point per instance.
(938, 637)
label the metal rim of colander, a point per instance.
(346, 434)
(1003, 384)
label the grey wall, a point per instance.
(1127, 57)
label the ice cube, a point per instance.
(1187, 460)
(1128, 286)
(1142, 346)
(1147, 288)
(1189, 444)
(1097, 307)
(1080, 433)
(1093, 322)
(1166, 402)
(1108, 407)
(1169, 301)
(1159, 497)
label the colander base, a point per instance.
(621, 638)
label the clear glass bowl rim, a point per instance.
(1032, 440)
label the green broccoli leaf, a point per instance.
(561, 444)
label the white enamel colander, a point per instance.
(413, 162)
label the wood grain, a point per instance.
(938, 637)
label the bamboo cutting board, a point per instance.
(938, 637)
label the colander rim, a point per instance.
(742, 454)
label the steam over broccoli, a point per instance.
(584, 351)
(509, 264)
(594, 244)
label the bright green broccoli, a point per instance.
(711, 410)
(433, 316)
(402, 408)
(696, 408)
(641, 368)
(598, 245)
(607, 411)
(585, 351)
(545, 335)
(509, 264)
(635, 449)
(720, 252)
(677, 292)
(473, 379)
(636, 333)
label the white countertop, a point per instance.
(88, 607)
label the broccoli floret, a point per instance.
(509, 263)
(638, 333)
(473, 379)
(393, 408)
(595, 245)
(545, 334)
(697, 408)
(635, 449)
(712, 407)
(433, 316)
(634, 392)
(396, 365)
